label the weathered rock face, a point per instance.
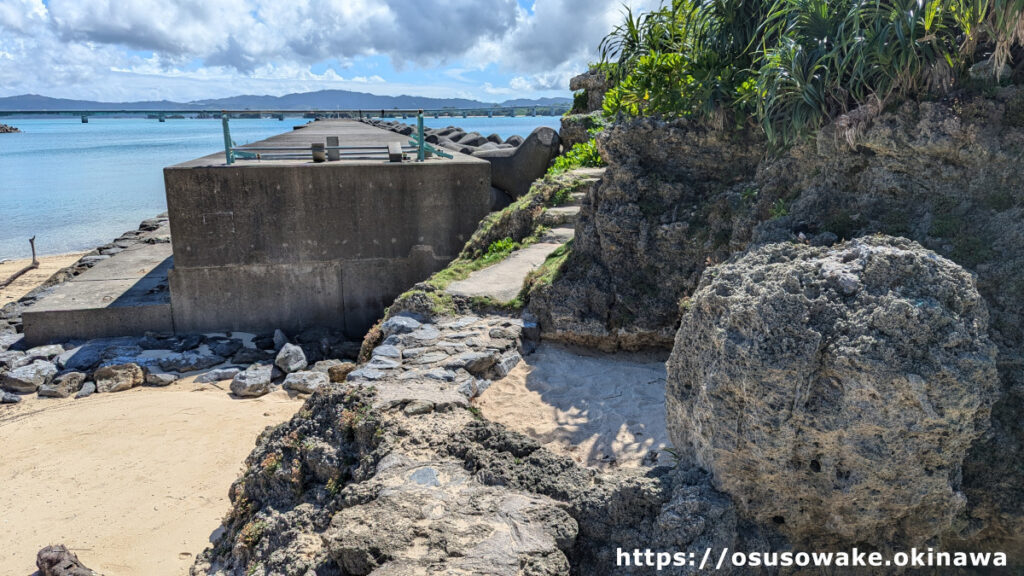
(670, 203)
(575, 128)
(595, 83)
(27, 379)
(253, 381)
(306, 381)
(118, 378)
(398, 477)
(290, 358)
(944, 176)
(63, 386)
(835, 391)
(467, 530)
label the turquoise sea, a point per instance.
(75, 186)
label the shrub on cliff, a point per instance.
(792, 65)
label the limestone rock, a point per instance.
(595, 83)
(47, 352)
(835, 391)
(88, 389)
(8, 398)
(63, 386)
(399, 325)
(389, 533)
(27, 379)
(160, 379)
(189, 361)
(217, 375)
(11, 359)
(118, 377)
(340, 372)
(306, 381)
(290, 358)
(253, 381)
(575, 128)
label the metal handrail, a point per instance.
(418, 143)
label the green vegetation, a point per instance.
(582, 155)
(792, 65)
(547, 272)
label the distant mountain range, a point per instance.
(320, 100)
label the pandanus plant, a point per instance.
(791, 65)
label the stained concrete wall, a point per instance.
(293, 244)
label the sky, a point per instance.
(183, 50)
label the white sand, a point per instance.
(48, 266)
(134, 482)
(602, 410)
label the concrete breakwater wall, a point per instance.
(279, 242)
(515, 162)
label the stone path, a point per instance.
(504, 280)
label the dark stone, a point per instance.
(88, 389)
(189, 342)
(224, 346)
(250, 356)
(59, 561)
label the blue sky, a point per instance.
(117, 50)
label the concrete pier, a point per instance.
(126, 294)
(292, 244)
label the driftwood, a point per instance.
(32, 266)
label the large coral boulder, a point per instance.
(835, 391)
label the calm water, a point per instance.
(76, 186)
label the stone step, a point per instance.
(504, 280)
(560, 216)
(590, 172)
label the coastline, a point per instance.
(29, 281)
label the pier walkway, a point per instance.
(277, 242)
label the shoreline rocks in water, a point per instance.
(5, 129)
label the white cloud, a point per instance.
(107, 49)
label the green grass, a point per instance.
(546, 273)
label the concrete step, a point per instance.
(590, 172)
(558, 235)
(504, 280)
(126, 294)
(560, 216)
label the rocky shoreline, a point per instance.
(5, 129)
(844, 367)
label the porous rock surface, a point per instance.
(390, 473)
(678, 197)
(835, 391)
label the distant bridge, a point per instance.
(163, 115)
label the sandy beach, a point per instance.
(48, 266)
(604, 411)
(133, 482)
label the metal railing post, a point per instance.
(419, 132)
(229, 154)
